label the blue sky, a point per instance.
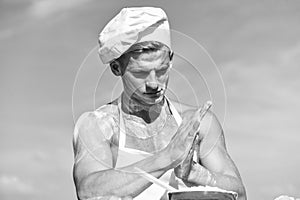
(255, 45)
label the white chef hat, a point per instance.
(130, 26)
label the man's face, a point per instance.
(146, 76)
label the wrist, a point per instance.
(199, 175)
(211, 179)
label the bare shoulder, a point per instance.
(209, 123)
(99, 123)
(91, 142)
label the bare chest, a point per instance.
(148, 138)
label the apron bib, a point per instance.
(127, 156)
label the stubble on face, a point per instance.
(139, 81)
(138, 98)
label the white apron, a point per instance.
(127, 156)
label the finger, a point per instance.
(105, 198)
(127, 198)
(186, 132)
(195, 128)
(185, 123)
(192, 125)
(178, 171)
(184, 129)
(197, 148)
(193, 131)
(115, 198)
(191, 144)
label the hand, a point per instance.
(199, 175)
(111, 198)
(182, 171)
(181, 143)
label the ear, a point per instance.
(171, 55)
(116, 68)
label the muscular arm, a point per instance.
(122, 182)
(94, 174)
(216, 168)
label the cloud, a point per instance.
(10, 184)
(261, 123)
(46, 8)
(269, 88)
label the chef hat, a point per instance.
(130, 26)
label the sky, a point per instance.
(242, 55)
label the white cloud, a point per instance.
(10, 184)
(261, 125)
(290, 57)
(44, 8)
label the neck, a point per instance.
(148, 112)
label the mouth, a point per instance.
(154, 94)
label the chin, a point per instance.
(152, 101)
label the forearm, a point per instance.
(199, 175)
(122, 182)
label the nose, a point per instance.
(151, 83)
(151, 86)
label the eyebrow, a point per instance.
(138, 70)
(142, 69)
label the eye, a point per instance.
(162, 71)
(140, 74)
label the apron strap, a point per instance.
(174, 112)
(122, 135)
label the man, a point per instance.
(142, 128)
